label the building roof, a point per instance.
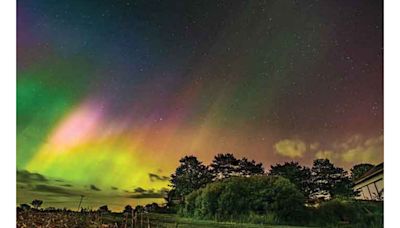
(370, 173)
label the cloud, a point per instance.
(155, 177)
(53, 189)
(151, 193)
(355, 149)
(24, 176)
(314, 146)
(67, 185)
(20, 186)
(361, 150)
(290, 148)
(139, 190)
(353, 140)
(94, 188)
(29, 182)
(374, 141)
(147, 195)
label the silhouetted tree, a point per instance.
(224, 166)
(170, 197)
(297, 174)
(52, 209)
(104, 209)
(139, 209)
(37, 203)
(358, 170)
(25, 207)
(153, 207)
(128, 209)
(250, 168)
(330, 180)
(189, 176)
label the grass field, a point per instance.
(75, 219)
(171, 220)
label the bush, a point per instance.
(259, 199)
(190, 204)
(275, 200)
(350, 212)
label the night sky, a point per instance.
(110, 94)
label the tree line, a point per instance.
(322, 180)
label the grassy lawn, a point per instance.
(171, 220)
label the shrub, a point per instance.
(104, 209)
(37, 203)
(25, 207)
(260, 199)
(354, 213)
(335, 211)
(285, 200)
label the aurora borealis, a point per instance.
(110, 94)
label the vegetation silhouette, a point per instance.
(232, 189)
(238, 191)
(358, 170)
(37, 203)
